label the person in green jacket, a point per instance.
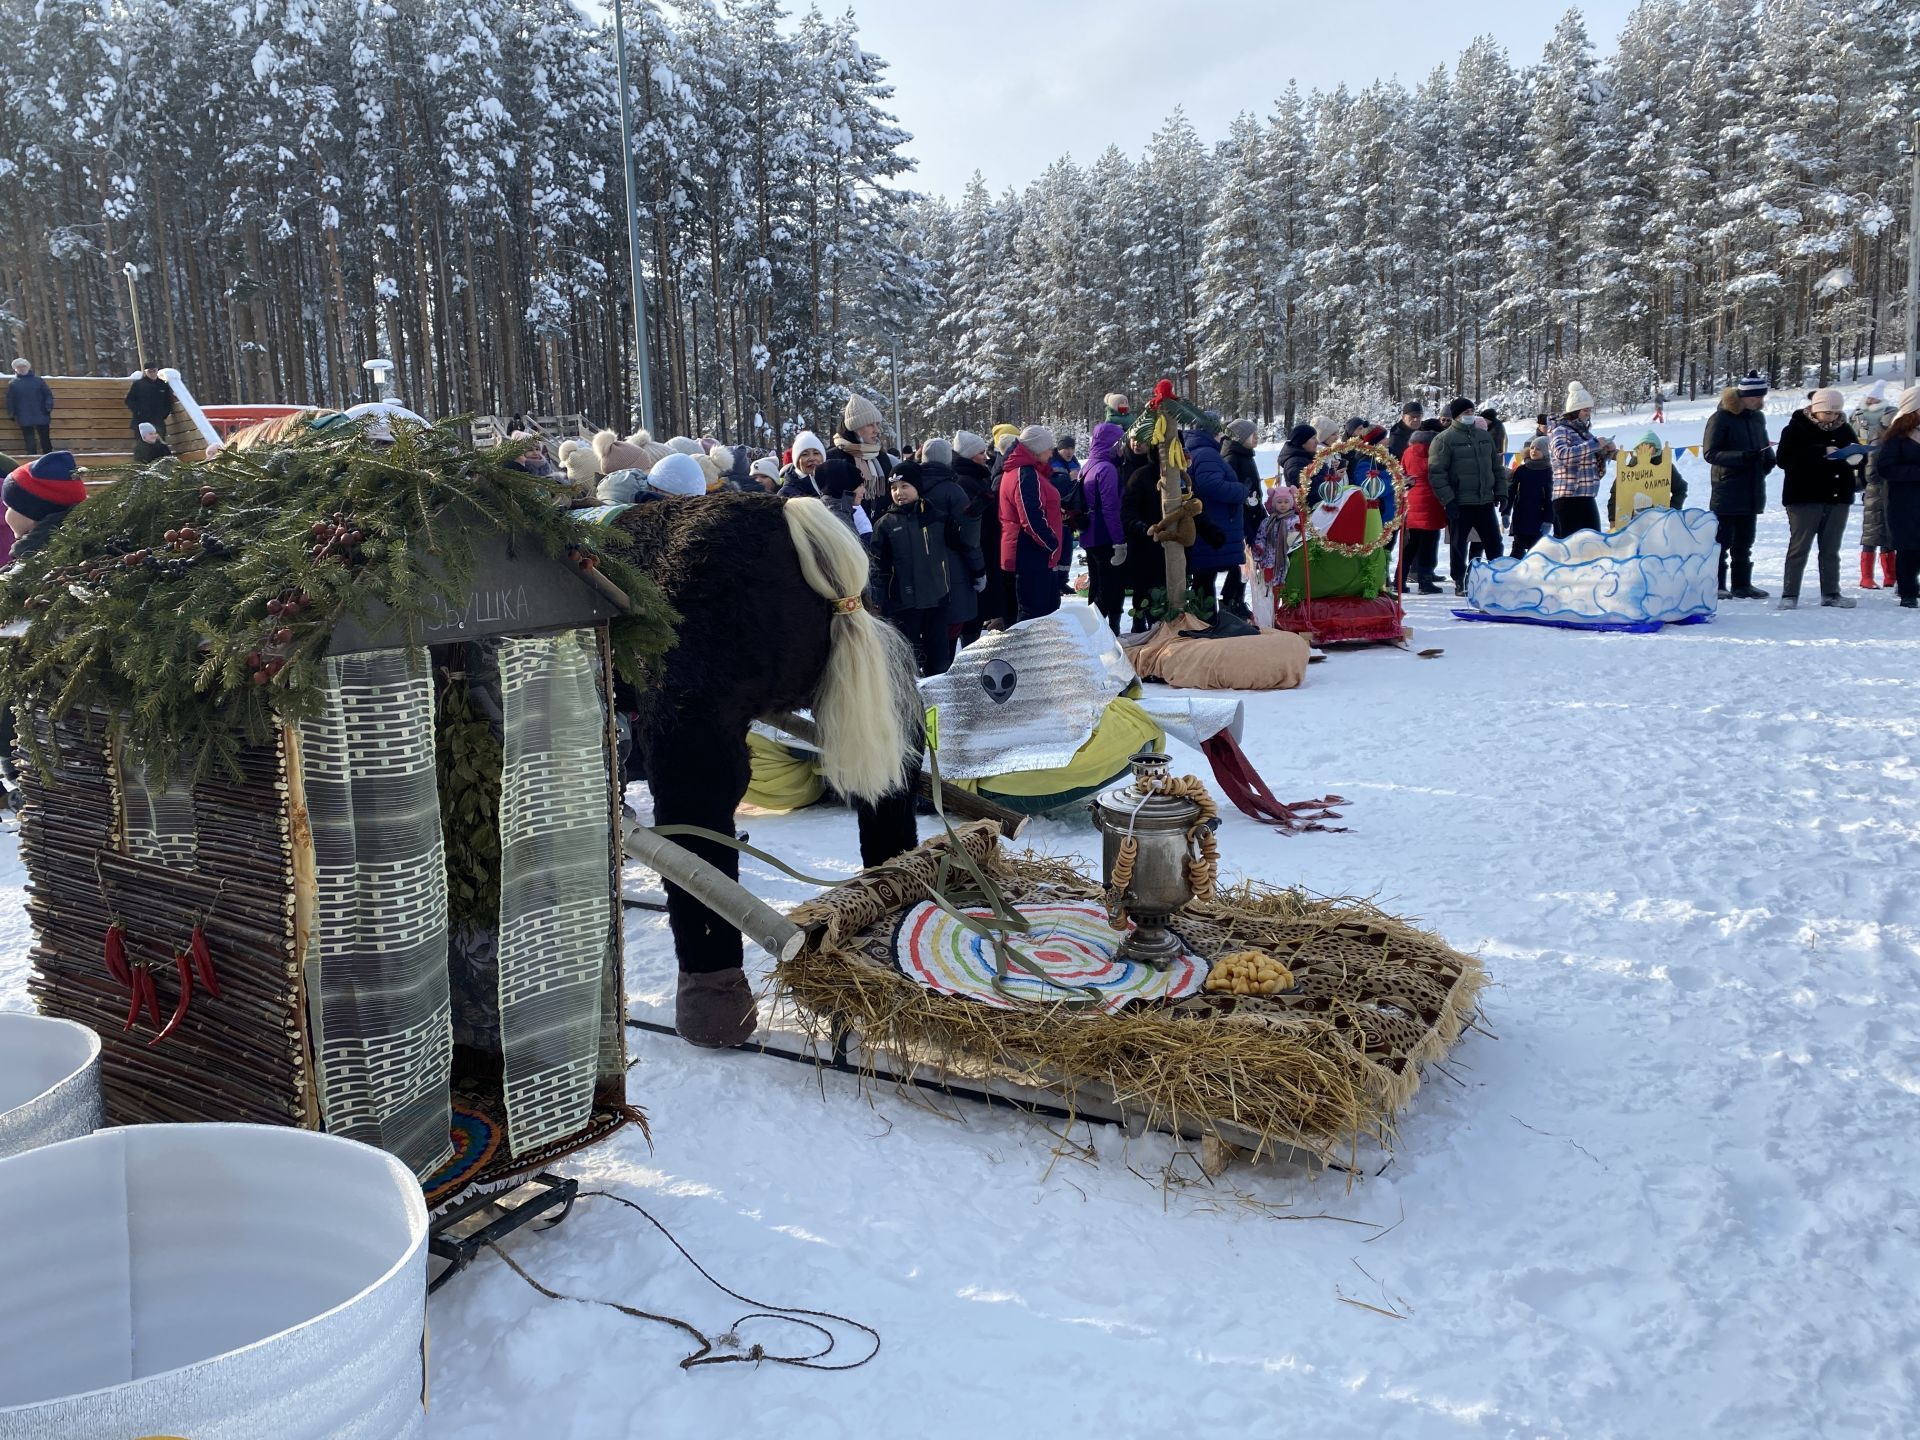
(1469, 482)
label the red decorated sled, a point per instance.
(1346, 619)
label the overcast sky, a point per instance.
(1008, 86)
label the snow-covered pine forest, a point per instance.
(305, 183)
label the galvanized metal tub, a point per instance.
(49, 1081)
(224, 1282)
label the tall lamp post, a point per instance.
(132, 272)
(1913, 266)
(893, 349)
(633, 220)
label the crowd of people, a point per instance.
(979, 531)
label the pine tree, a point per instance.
(1561, 134)
(1240, 254)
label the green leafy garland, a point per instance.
(193, 603)
(469, 757)
(1197, 604)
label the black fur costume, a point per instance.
(752, 639)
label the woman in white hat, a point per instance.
(809, 454)
(1579, 464)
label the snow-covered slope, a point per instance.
(1674, 1196)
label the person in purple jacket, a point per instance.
(1105, 537)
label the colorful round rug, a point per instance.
(1070, 943)
(475, 1140)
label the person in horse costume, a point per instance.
(770, 595)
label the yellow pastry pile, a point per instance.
(1249, 972)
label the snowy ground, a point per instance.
(1675, 1196)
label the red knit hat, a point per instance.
(45, 484)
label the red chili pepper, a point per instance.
(152, 995)
(185, 966)
(117, 954)
(133, 1008)
(203, 963)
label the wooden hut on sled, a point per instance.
(375, 891)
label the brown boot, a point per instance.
(1866, 571)
(1886, 570)
(716, 1010)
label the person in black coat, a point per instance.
(1896, 464)
(150, 399)
(1403, 428)
(1735, 444)
(1140, 559)
(1497, 428)
(1297, 453)
(1528, 508)
(150, 447)
(970, 457)
(957, 510)
(913, 568)
(1238, 452)
(1815, 454)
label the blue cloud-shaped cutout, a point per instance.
(1660, 567)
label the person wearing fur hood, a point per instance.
(1735, 444)
(1870, 418)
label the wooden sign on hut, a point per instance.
(372, 887)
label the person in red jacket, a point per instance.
(1426, 517)
(1030, 522)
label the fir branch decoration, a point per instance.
(469, 756)
(194, 602)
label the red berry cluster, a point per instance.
(278, 635)
(339, 539)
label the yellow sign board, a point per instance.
(1643, 477)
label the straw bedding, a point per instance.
(1318, 1069)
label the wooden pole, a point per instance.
(1176, 553)
(728, 899)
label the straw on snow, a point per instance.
(1318, 1070)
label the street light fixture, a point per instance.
(378, 369)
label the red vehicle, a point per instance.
(226, 419)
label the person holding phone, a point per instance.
(1821, 459)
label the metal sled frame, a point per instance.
(1094, 1102)
(466, 1227)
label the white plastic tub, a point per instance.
(223, 1282)
(49, 1081)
